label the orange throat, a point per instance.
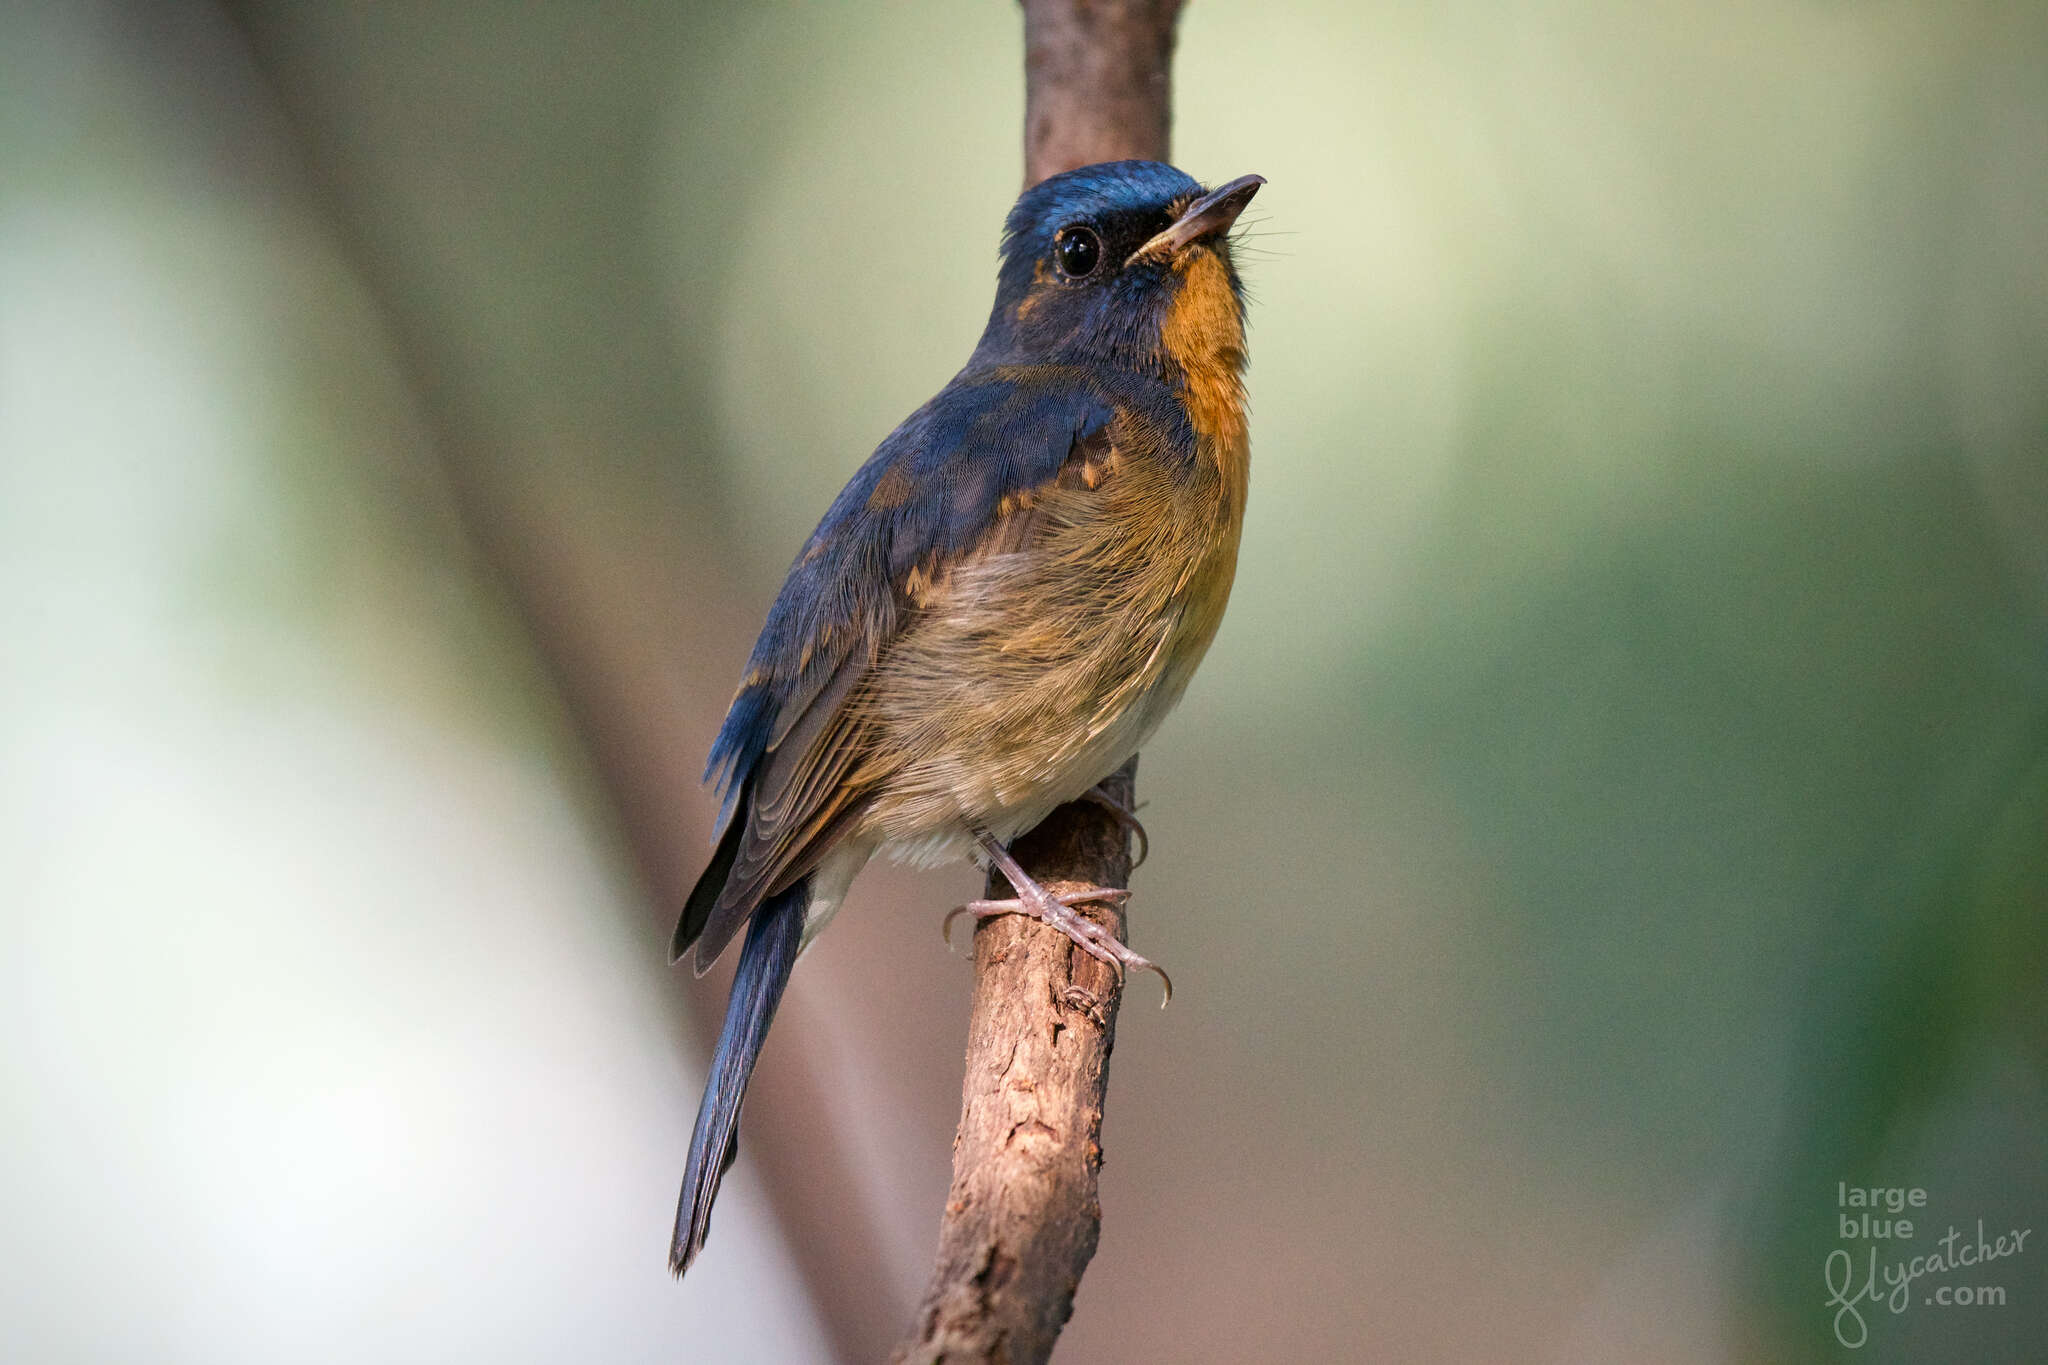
(1204, 335)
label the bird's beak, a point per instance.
(1213, 213)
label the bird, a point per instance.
(998, 609)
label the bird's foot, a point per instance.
(1126, 817)
(1057, 916)
(1056, 909)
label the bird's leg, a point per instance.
(1126, 817)
(1055, 909)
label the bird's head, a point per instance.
(1124, 263)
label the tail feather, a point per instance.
(773, 938)
(704, 896)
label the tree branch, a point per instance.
(1022, 1217)
(1098, 78)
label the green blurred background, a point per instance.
(1615, 811)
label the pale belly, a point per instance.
(1065, 776)
(937, 830)
(1005, 711)
(994, 715)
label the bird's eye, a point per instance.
(1076, 249)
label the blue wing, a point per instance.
(936, 488)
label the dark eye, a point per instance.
(1076, 249)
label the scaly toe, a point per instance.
(1107, 895)
(1096, 941)
(1105, 947)
(980, 910)
(987, 909)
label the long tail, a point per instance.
(773, 937)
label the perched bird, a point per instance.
(998, 609)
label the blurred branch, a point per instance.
(1023, 1217)
(566, 582)
(1098, 78)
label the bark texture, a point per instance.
(1022, 1217)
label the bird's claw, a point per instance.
(1055, 910)
(1125, 817)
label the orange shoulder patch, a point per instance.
(893, 489)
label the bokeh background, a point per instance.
(1615, 811)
